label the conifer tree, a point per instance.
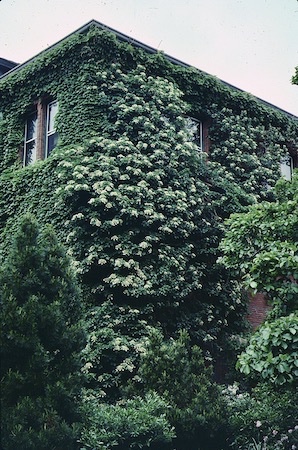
(41, 339)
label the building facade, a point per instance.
(56, 101)
(59, 65)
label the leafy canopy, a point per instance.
(272, 353)
(261, 248)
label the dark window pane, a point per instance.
(31, 128)
(52, 142)
(30, 153)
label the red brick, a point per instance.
(257, 310)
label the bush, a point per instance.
(35, 424)
(135, 423)
(264, 415)
(272, 353)
(178, 373)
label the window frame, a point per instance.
(42, 111)
(198, 137)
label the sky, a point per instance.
(251, 44)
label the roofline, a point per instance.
(121, 36)
(8, 62)
(147, 48)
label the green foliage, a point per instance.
(161, 202)
(295, 77)
(178, 373)
(272, 352)
(36, 424)
(134, 423)
(135, 195)
(265, 416)
(41, 339)
(23, 192)
(145, 207)
(141, 213)
(248, 152)
(116, 337)
(261, 246)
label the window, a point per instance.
(40, 134)
(30, 139)
(52, 135)
(195, 127)
(286, 167)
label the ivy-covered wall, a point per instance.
(138, 207)
(241, 124)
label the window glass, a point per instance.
(52, 135)
(195, 129)
(30, 153)
(286, 167)
(52, 142)
(52, 111)
(31, 127)
(30, 139)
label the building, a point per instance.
(53, 100)
(6, 65)
(38, 115)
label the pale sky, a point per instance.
(251, 44)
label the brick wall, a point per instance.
(257, 310)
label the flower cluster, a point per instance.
(276, 440)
